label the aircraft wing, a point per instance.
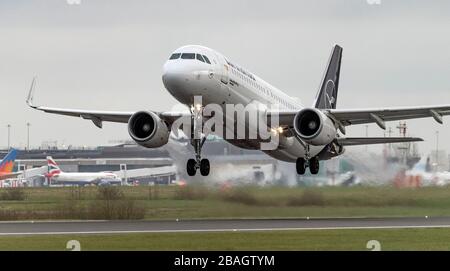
(98, 181)
(346, 117)
(360, 116)
(97, 117)
(353, 141)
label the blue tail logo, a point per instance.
(7, 164)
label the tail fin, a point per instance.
(7, 164)
(53, 168)
(327, 95)
(423, 165)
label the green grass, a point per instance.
(350, 239)
(198, 202)
(246, 202)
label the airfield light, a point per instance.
(28, 135)
(437, 149)
(9, 135)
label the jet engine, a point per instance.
(314, 127)
(148, 129)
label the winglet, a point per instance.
(31, 93)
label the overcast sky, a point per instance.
(108, 55)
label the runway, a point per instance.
(116, 227)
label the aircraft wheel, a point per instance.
(204, 167)
(190, 167)
(300, 166)
(314, 165)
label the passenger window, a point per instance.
(188, 56)
(199, 57)
(175, 56)
(206, 59)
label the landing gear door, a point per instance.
(224, 74)
(223, 70)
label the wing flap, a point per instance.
(348, 117)
(362, 116)
(354, 141)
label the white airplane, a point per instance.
(306, 134)
(56, 176)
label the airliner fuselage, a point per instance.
(217, 80)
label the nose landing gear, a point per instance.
(197, 141)
(193, 165)
(198, 163)
(204, 167)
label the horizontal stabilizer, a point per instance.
(353, 141)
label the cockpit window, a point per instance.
(188, 56)
(175, 56)
(206, 59)
(199, 57)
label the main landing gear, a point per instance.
(302, 163)
(312, 163)
(197, 141)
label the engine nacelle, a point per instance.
(314, 127)
(148, 130)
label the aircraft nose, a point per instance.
(174, 76)
(186, 78)
(171, 79)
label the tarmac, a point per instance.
(121, 227)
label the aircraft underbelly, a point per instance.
(288, 149)
(283, 152)
(69, 179)
(291, 154)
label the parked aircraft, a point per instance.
(423, 175)
(56, 176)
